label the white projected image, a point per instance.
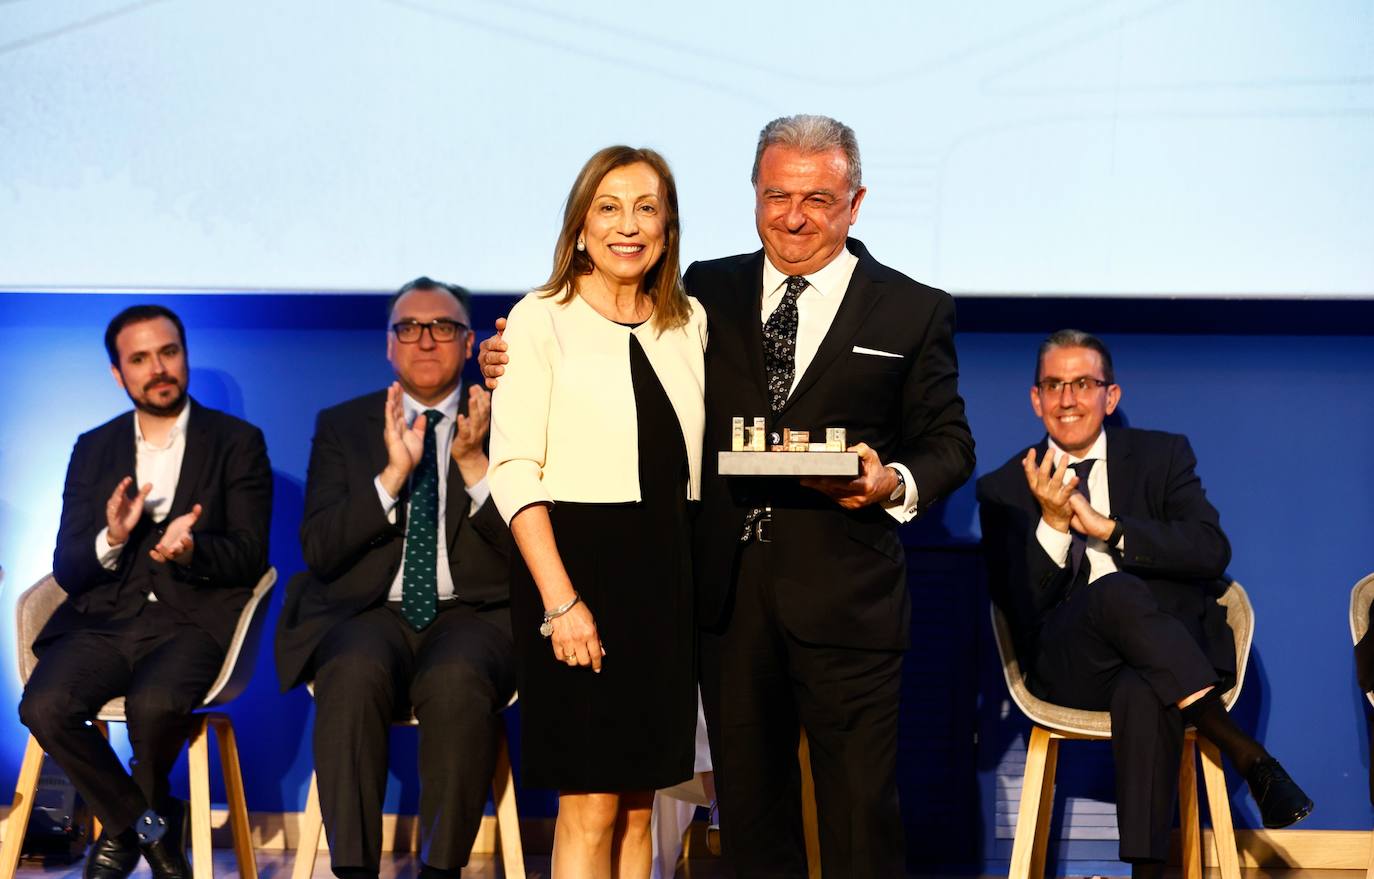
(1125, 146)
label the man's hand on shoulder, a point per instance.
(469, 434)
(1051, 490)
(177, 544)
(123, 512)
(874, 484)
(491, 355)
(404, 444)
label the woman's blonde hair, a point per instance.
(663, 282)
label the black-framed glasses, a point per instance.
(441, 329)
(1080, 385)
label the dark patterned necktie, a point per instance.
(419, 582)
(780, 344)
(780, 364)
(1078, 545)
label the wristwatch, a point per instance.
(899, 492)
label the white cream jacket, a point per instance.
(563, 422)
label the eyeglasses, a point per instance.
(1079, 385)
(441, 329)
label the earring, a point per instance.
(581, 245)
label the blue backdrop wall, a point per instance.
(1276, 399)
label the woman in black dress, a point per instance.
(596, 447)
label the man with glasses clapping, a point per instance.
(404, 605)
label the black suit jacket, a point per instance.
(225, 470)
(351, 549)
(1173, 540)
(844, 571)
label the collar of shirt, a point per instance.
(832, 279)
(448, 406)
(178, 428)
(1098, 451)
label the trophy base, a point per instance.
(789, 464)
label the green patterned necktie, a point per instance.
(419, 582)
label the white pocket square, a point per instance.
(860, 349)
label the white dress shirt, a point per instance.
(816, 309)
(1056, 543)
(160, 465)
(443, 440)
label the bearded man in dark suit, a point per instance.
(164, 529)
(1107, 558)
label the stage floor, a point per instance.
(276, 864)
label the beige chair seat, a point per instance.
(32, 610)
(1051, 724)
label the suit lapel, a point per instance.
(860, 298)
(457, 501)
(125, 451)
(1120, 474)
(745, 303)
(376, 455)
(193, 461)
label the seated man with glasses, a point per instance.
(404, 605)
(1107, 558)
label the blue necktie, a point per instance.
(1078, 545)
(419, 582)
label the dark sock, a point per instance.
(1209, 716)
(428, 872)
(354, 873)
(1147, 869)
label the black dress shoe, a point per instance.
(112, 857)
(166, 858)
(1281, 802)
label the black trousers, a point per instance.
(374, 668)
(1110, 647)
(162, 669)
(759, 686)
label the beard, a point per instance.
(162, 410)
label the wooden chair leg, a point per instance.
(507, 817)
(312, 823)
(810, 822)
(1045, 811)
(104, 728)
(198, 765)
(1028, 815)
(233, 792)
(1369, 870)
(18, 821)
(1189, 821)
(1219, 804)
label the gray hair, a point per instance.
(1068, 338)
(811, 134)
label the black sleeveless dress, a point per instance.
(631, 727)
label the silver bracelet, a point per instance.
(546, 627)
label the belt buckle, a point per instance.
(763, 529)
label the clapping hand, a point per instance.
(404, 444)
(1054, 494)
(1088, 521)
(177, 544)
(123, 512)
(471, 429)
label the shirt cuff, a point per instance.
(388, 502)
(478, 492)
(107, 555)
(903, 509)
(1054, 542)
